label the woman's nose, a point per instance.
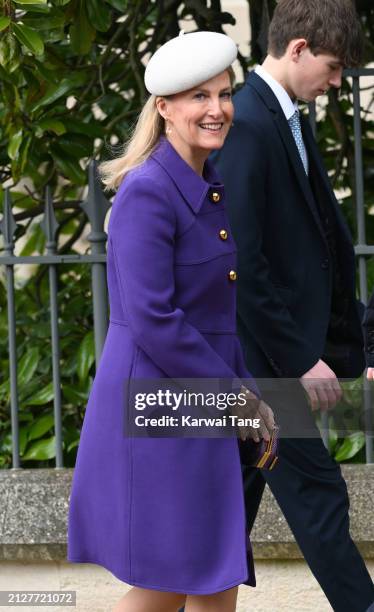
(215, 107)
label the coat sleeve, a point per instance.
(368, 329)
(142, 233)
(243, 166)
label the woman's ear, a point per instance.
(162, 107)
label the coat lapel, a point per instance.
(285, 133)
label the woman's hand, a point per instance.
(254, 408)
(370, 374)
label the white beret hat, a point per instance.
(188, 60)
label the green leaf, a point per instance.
(54, 20)
(69, 167)
(14, 144)
(51, 125)
(35, 243)
(47, 71)
(82, 34)
(22, 200)
(72, 445)
(44, 396)
(56, 91)
(93, 129)
(41, 450)
(33, 7)
(25, 416)
(7, 446)
(23, 153)
(4, 53)
(28, 365)
(351, 446)
(112, 103)
(99, 15)
(120, 5)
(69, 227)
(5, 389)
(41, 426)
(76, 145)
(22, 439)
(6, 443)
(85, 356)
(29, 38)
(333, 439)
(31, 2)
(53, 35)
(4, 22)
(73, 395)
(53, 93)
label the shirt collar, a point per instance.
(192, 187)
(288, 106)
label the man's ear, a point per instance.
(296, 48)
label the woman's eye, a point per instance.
(226, 95)
(199, 96)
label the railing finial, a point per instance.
(49, 223)
(8, 225)
(95, 205)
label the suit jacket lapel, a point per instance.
(297, 165)
(313, 152)
(285, 133)
(315, 156)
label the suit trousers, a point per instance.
(312, 494)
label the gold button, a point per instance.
(232, 275)
(223, 235)
(215, 196)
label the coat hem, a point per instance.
(243, 580)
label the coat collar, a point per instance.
(192, 187)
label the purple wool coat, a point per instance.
(164, 513)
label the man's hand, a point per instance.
(254, 408)
(322, 386)
(370, 374)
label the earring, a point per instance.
(168, 129)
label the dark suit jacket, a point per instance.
(285, 268)
(368, 323)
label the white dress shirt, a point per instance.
(288, 106)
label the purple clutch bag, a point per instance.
(261, 454)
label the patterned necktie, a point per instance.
(294, 123)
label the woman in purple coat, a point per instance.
(166, 515)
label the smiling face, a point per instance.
(312, 75)
(199, 119)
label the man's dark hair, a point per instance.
(329, 26)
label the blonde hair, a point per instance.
(146, 134)
(148, 129)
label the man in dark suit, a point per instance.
(298, 317)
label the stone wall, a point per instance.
(33, 518)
